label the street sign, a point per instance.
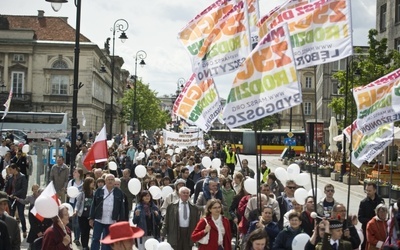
(289, 141)
(290, 134)
(53, 154)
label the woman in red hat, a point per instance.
(122, 236)
(214, 227)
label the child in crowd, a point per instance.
(212, 176)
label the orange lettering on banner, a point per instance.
(233, 25)
(194, 93)
(203, 26)
(368, 98)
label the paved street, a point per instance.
(273, 161)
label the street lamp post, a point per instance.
(141, 54)
(56, 4)
(119, 25)
(179, 85)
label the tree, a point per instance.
(377, 62)
(149, 115)
(264, 123)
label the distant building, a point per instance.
(388, 22)
(37, 62)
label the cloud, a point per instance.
(153, 27)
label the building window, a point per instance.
(307, 108)
(17, 83)
(59, 64)
(397, 12)
(59, 84)
(397, 44)
(308, 82)
(18, 58)
(382, 24)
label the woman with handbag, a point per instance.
(213, 231)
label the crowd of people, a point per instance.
(208, 207)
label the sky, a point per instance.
(153, 27)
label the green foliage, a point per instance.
(371, 65)
(149, 114)
(264, 123)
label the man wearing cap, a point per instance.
(264, 171)
(122, 236)
(172, 197)
(180, 221)
(12, 224)
(332, 237)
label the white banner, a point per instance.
(183, 140)
(367, 147)
(377, 103)
(198, 104)
(266, 83)
(320, 32)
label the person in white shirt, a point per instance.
(3, 148)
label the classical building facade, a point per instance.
(37, 63)
(388, 22)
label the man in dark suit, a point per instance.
(180, 220)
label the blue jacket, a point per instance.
(285, 238)
(118, 213)
(272, 230)
(140, 220)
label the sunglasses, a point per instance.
(292, 188)
(330, 190)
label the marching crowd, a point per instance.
(209, 205)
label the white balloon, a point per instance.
(206, 161)
(142, 154)
(4, 173)
(148, 151)
(318, 194)
(302, 179)
(170, 151)
(112, 165)
(150, 244)
(300, 196)
(166, 191)
(281, 174)
(293, 171)
(46, 206)
(70, 209)
(25, 148)
(140, 171)
(250, 185)
(300, 241)
(164, 246)
(216, 163)
(177, 150)
(134, 186)
(155, 192)
(73, 192)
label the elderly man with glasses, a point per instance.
(350, 234)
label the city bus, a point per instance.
(34, 121)
(271, 141)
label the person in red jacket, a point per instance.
(215, 227)
(58, 236)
